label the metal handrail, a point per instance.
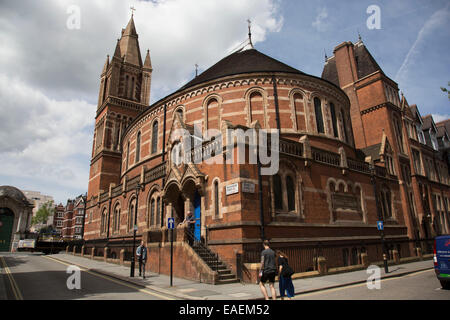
(211, 257)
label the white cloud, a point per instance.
(321, 23)
(50, 74)
(43, 138)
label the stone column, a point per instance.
(105, 254)
(188, 206)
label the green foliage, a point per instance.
(46, 210)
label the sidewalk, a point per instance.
(192, 290)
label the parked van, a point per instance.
(442, 260)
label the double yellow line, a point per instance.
(13, 283)
(112, 280)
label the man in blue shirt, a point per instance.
(141, 252)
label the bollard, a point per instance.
(74, 251)
(322, 265)
(419, 253)
(365, 259)
(92, 252)
(396, 256)
(122, 256)
(105, 254)
(82, 251)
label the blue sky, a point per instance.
(49, 75)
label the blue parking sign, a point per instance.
(171, 223)
(380, 225)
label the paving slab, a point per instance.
(193, 290)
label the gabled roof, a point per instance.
(441, 132)
(240, 62)
(428, 123)
(416, 113)
(445, 124)
(373, 151)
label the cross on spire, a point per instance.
(196, 70)
(132, 10)
(250, 32)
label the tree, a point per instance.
(446, 90)
(46, 210)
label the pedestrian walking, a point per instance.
(141, 252)
(285, 276)
(268, 271)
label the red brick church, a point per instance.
(347, 140)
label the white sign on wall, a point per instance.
(232, 189)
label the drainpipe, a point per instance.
(163, 159)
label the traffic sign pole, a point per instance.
(171, 225)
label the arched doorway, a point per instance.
(6, 228)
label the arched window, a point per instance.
(344, 124)
(104, 89)
(180, 112)
(131, 215)
(216, 198)
(386, 202)
(319, 116)
(334, 119)
(126, 86)
(152, 212)
(257, 111)
(399, 134)
(132, 89)
(290, 189)
(116, 223)
(158, 211)
(138, 146)
(277, 189)
(103, 223)
(128, 154)
(155, 137)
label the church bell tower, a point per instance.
(124, 93)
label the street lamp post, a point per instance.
(380, 217)
(138, 188)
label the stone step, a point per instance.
(227, 281)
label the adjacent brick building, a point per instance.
(73, 219)
(341, 137)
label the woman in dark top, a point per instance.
(285, 280)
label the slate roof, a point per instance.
(247, 61)
(365, 65)
(373, 151)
